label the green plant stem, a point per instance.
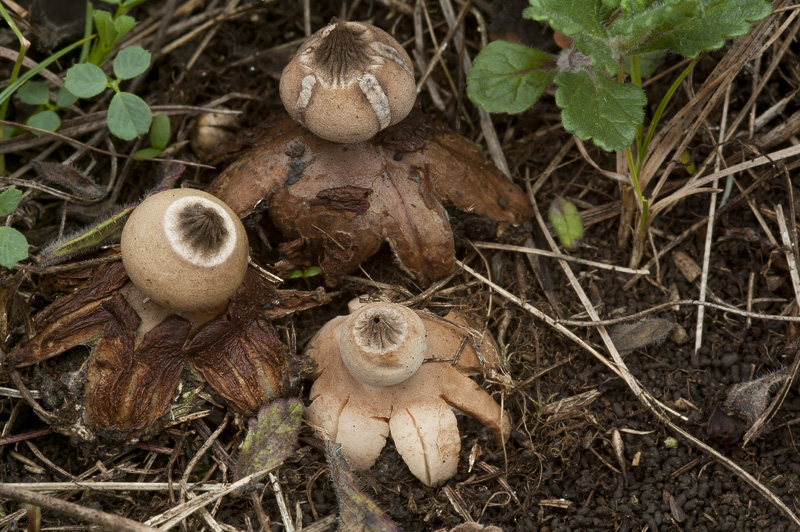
(661, 107)
(24, 44)
(633, 165)
(87, 31)
(643, 203)
(636, 79)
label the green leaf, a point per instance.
(48, 120)
(13, 247)
(123, 25)
(720, 20)
(159, 132)
(9, 199)
(271, 436)
(357, 512)
(566, 222)
(131, 61)
(629, 6)
(508, 77)
(148, 153)
(65, 98)
(637, 27)
(128, 116)
(130, 4)
(598, 108)
(114, 2)
(584, 21)
(85, 80)
(34, 93)
(106, 31)
(13, 87)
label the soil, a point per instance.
(585, 453)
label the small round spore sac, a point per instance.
(349, 81)
(185, 250)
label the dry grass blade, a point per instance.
(175, 515)
(535, 251)
(82, 513)
(727, 462)
(111, 486)
(790, 248)
(647, 399)
(556, 324)
(674, 136)
(712, 209)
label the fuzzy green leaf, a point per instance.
(131, 61)
(159, 132)
(13, 247)
(719, 20)
(9, 200)
(85, 80)
(598, 108)
(48, 120)
(634, 28)
(508, 77)
(271, 436)
(128, 116)
(634, 5)
(34, 93)
(566, 222)
(584, 21)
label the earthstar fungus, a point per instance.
(388, 340)
(348, 81)
(221, 327)
(338, 203)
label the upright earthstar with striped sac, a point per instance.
(349, 81)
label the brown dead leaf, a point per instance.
(687, 266)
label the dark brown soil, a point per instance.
(561, 470)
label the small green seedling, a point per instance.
(13, 244)
(566, 222)
(611, 39)
(128, 115)
(110, 30)
(305, 273)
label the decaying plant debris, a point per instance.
(337, 203)
(129, 382)
(599, 442)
